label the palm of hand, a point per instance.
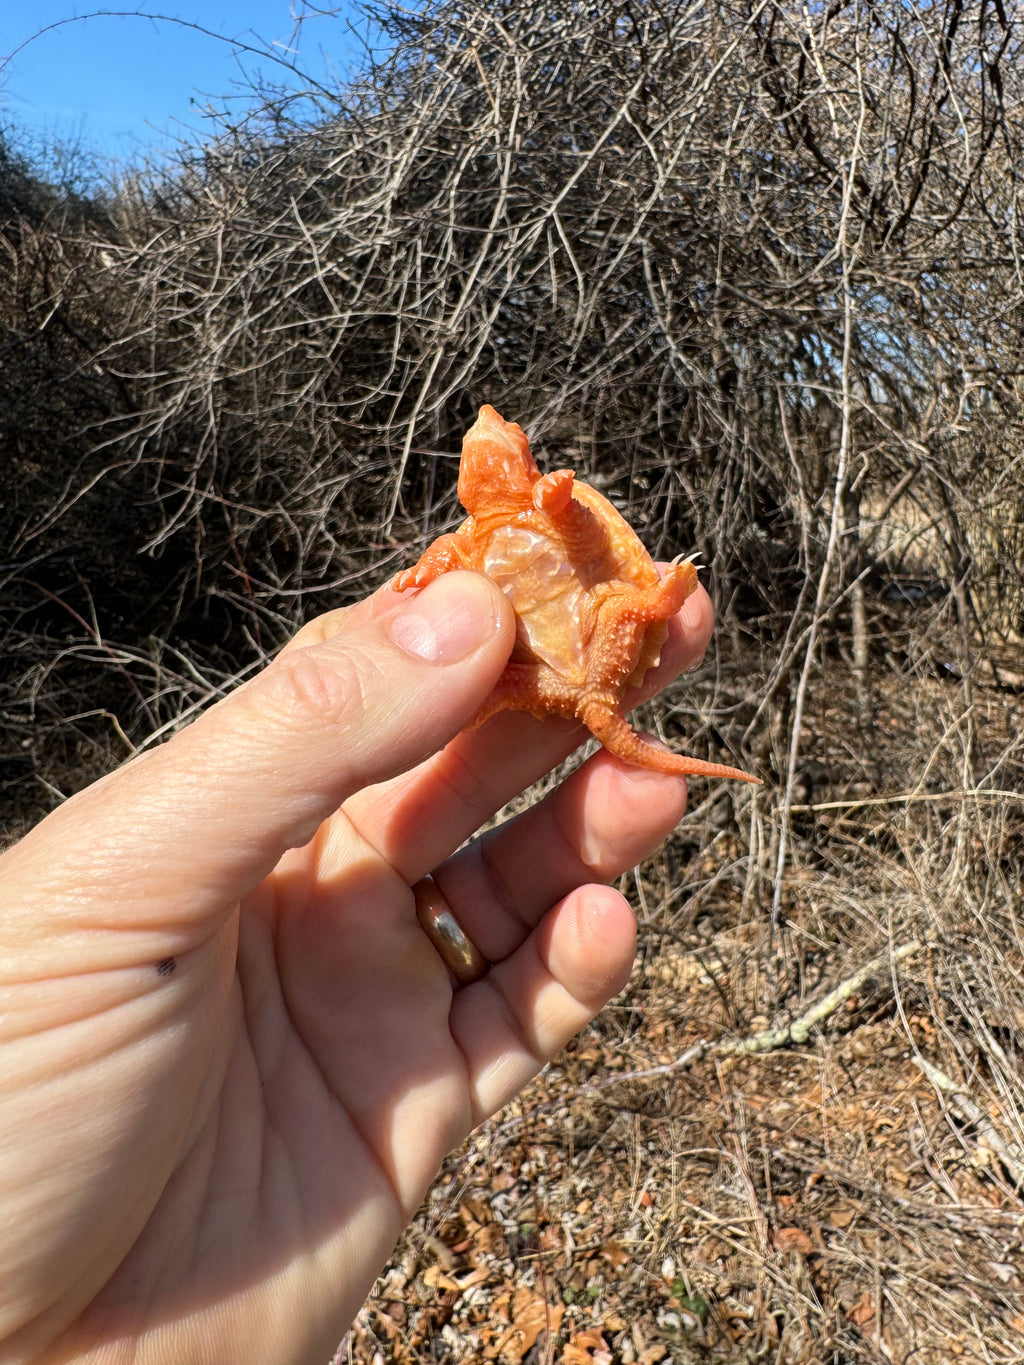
(339, 1036)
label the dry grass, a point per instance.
(802, 1146)
(754, 270)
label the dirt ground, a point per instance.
(796, 1144)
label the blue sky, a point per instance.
(122, 86)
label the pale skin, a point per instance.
(231, 1062)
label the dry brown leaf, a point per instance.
(489, 1240)
(615, 1254)
(435, 1277)
(529, 1315)
(586, 1348)
(793, 1239)
(863, 1311)
(474, 1213)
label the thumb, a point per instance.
(204, 818)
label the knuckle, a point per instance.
(305, 689)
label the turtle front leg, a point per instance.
(443, 556)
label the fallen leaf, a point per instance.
(434, 1277)
(586, 1348)
(863, 1311)
(793, 1239)
(615, 1255)
(529, 1315)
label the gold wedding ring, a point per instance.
(458, 952)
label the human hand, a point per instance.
(231, 1061)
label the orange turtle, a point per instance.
(591, 608)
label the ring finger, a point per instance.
(604, 819)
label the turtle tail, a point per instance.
(620, 739)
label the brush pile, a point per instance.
(754, 270)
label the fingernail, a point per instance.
(447, 620)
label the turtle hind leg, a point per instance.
(620, 739)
